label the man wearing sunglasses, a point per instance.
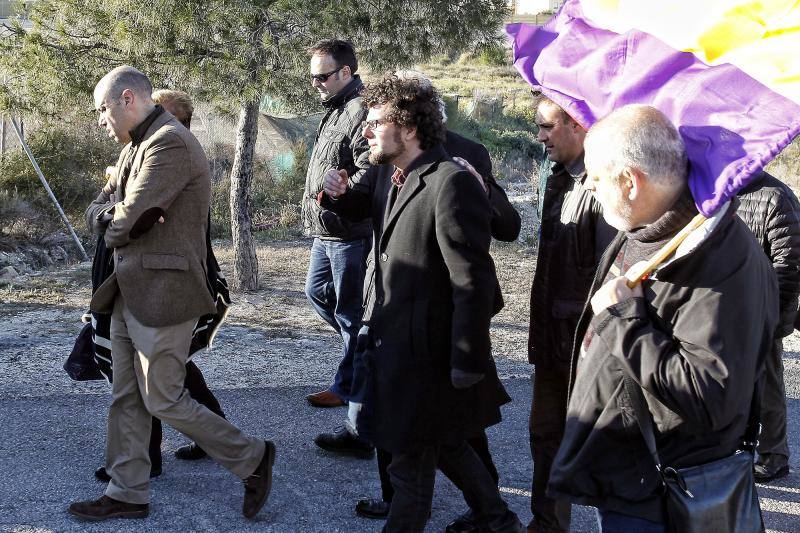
(337, 265)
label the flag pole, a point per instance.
(640, 271)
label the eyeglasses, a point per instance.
(373, 124)
(322, 78)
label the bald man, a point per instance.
(157, 228)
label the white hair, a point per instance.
(641, 137)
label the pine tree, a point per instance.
(228, 52)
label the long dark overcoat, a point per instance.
(434, 295)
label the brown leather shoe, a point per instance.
(106, 507)
(324, 399)
(258, 485)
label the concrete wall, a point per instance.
(533, 7)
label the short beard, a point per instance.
(385, 158)
(620, 215)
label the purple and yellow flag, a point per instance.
(726, 72)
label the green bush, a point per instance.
(72, 157)
(494, 55)
(275, 195)
(510, 138)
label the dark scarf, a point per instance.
(349, 91)
(137, 136)
(644, 242)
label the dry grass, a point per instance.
(786, 167)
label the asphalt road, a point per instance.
(52, 441)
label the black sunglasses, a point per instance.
(322, 78)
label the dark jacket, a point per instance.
(435, 292)
(694, 343)
(340, 145)
(506, 222)
(572, 238)
(771, 211)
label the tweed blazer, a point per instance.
(159, 268)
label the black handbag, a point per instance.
(81, 364)
(716, 496)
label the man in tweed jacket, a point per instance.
(157, 228)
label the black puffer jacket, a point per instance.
(572, 237)
(772, 212)
(340, 145)
(694, 343)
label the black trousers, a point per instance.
(413, 475)
(548, 416)
(772, 443)
(479, 444)
(195, 383)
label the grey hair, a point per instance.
(424, 83)
(127, 77)
(641, 137)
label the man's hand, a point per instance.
(463, 162)
(463, 380)
(334, 183)
(613, 292)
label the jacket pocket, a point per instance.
(165, 262)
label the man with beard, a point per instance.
(431, 382)
(692, 336)
(505, 226)
(336, 269)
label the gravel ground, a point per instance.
(271, 352)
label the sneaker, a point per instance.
(105, 508)
(343, 442)
(259, 484)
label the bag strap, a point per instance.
(645, 420)
(643, 417)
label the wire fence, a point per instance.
(15, 8)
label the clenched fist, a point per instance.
(334, 183)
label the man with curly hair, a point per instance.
(430, 382)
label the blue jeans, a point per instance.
(613, 522)
(334, 286)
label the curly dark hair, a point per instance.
(410, 105)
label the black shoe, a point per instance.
(103, 476)
(764, 473)
(190, 452)
(464, 523)
(259, 484)
(372, 508)
(343, 442)
(106, 507)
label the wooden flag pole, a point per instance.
(640, 271)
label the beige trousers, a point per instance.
(149, 371)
